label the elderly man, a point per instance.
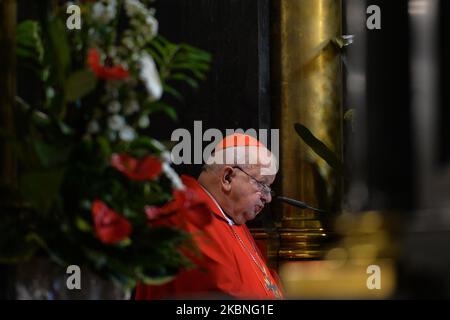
(235, 183)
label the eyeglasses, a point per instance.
(262, 187)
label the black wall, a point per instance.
(236, 92)
(444, 124)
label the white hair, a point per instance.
(245, 157)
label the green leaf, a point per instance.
(319, 147)
(40, 118)
(98, 258)
(182, 58)
(156, 281)
(173, 92)
(185, 78)
(51, 154)
(155, 57)
(150, 145)
(189, 66)
(41, 187)
(124, 243)
(64, 128)
(83, 225)
(21, 254)
(163, 107)
(105, 147)
(79, 84)
(29, 42)
(171, 113)
(57, 54)
(60, 50)
(159, 49)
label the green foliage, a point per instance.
(41, 187)
(29, 49)
(65, 160)
(79, 84)
(58, 48)
(179, 63)
(319, 148)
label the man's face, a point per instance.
(248, 195)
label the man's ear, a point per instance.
(226, 177)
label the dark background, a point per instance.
(236, 93)
(444, 124)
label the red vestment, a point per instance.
(227, 266)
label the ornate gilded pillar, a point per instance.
(307, 72)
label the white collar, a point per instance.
(230, 222)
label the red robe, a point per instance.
(226, 268)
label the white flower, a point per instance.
(110, 12)
(112, 51)
(139, 14)
(104, 13)
(93, 127)
(131, 106)
(134, 7)
(114, 106)
(153, 24)
(127, 133)
(116, 122)
(98, 10)
(134, 22)
(144, 122)
(128, 42)
(166, 156)
(149, 75)
(134, 56)
(173, 176)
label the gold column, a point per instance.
(309, 72)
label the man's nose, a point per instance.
(267, 197)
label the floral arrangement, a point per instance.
(92, 182)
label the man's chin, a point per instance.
(258, 210)
(251, 215)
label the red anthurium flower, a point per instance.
(102, 71)
(110, 226)
(184, 202)
(147, 168)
